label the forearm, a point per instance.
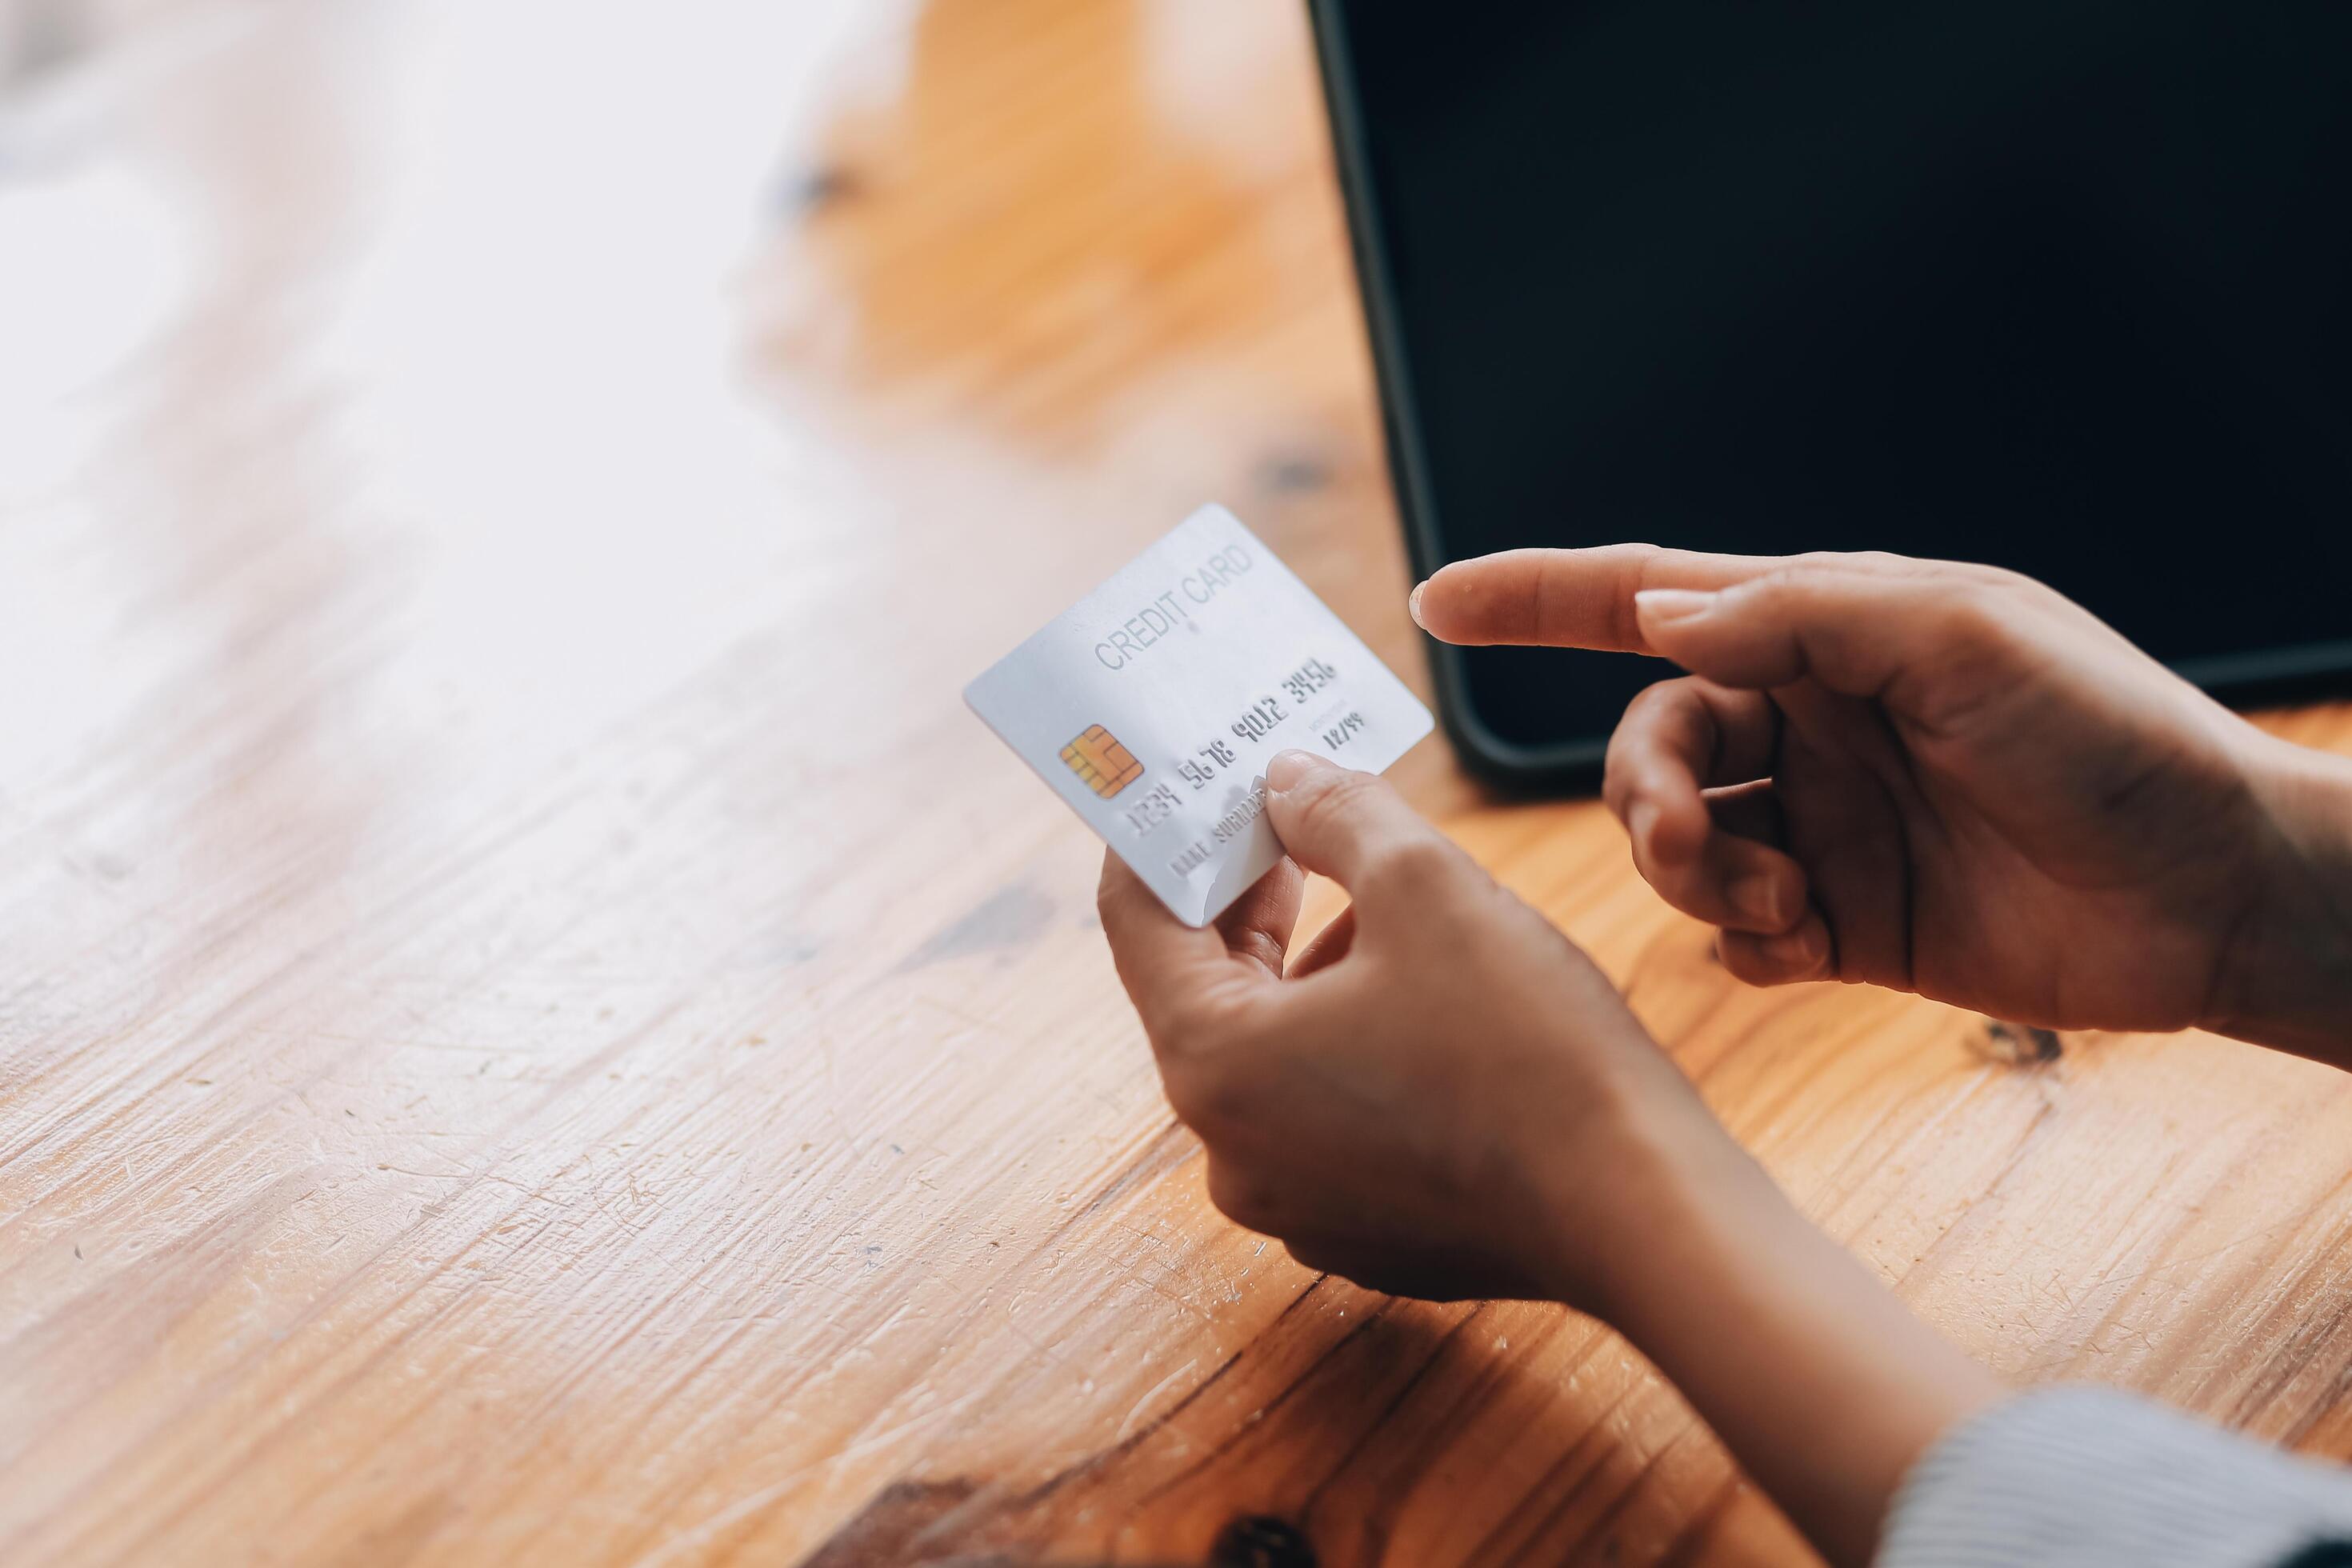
(1822, 1385)
(2286, 972)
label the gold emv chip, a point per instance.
(1102, 764)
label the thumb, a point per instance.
(1337, 822)
(1863, 633)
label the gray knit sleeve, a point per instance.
(2089, 1477)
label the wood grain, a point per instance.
(536, 1027)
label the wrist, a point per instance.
(1631, 1198)
(2283, 976)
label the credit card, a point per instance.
(1152, 704)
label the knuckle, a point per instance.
(1775, 594)
(1411, 868)
(2009, 581)
(1174, 1023)
(1196, 1022)
(1977, 615)
(1668, 719)
(1201, 1098)
(1650, 704)
(1793, 576)
(2024, 592)
(1315, 1257)
(1247, 1204)
(1213, 1093)
(1739, 959)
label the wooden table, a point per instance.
(536, 1027)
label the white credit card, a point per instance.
(1152, 704)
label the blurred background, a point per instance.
(621, 307)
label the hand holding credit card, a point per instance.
(1152, 704)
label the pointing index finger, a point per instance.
(1567, 598)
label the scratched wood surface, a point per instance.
(534, 1026)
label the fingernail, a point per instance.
(1665, 604)
(1412, 604)
(1758, 896)
(1802, 950)
(1284, 770)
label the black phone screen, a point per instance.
(2063, 285)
